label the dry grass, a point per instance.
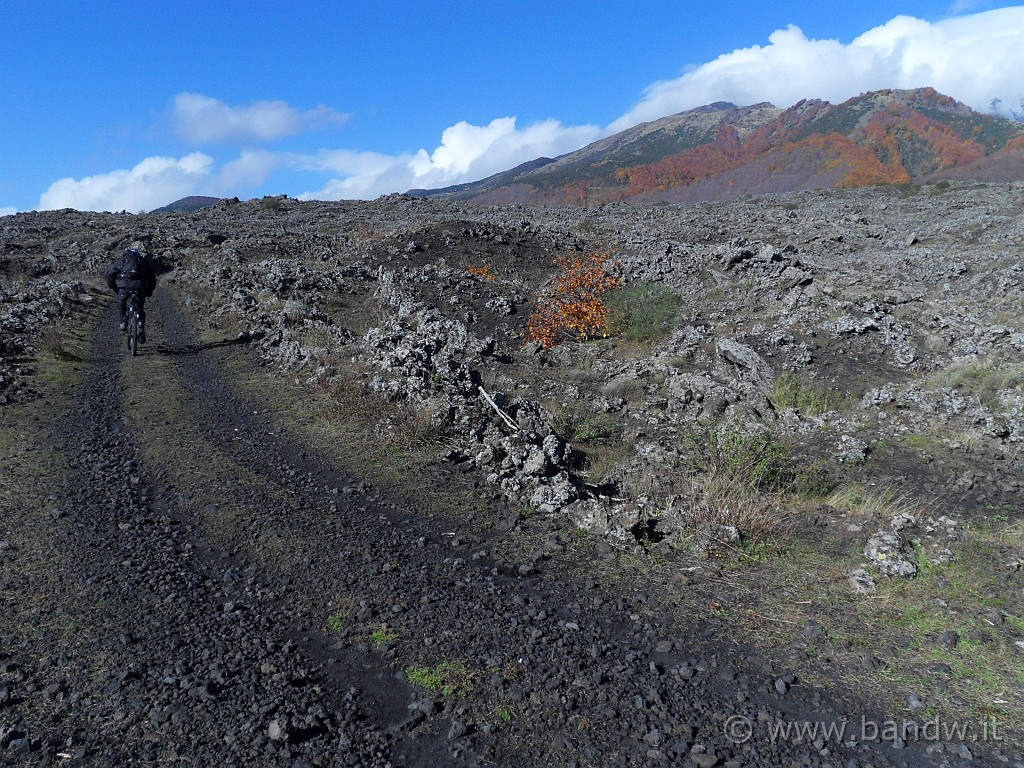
(863, 502)
(763, 520)
(984, 377)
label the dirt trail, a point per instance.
(184, 585)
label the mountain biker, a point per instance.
(132, 272)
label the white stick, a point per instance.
(494, 405)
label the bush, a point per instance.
(754, 461)
(573, 305)
(643, 312)
(573, 425)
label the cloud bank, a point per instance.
(201, 120)
(152, 183)
(977, 59)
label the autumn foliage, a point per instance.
(572, 306)
(484, 272)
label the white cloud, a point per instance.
(974, 59)
(8, 211)
(200, 119)
(248, 171)
(466, 153)
(152, 183)
(157, 181)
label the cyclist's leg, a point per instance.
(119, 302)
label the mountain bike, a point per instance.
(133, 321)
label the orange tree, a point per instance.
(572, 305)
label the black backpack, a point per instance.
(131, 266)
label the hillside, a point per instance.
(190, 203)
(722, 151)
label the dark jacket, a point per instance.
(143, 281)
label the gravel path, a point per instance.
(243, 604)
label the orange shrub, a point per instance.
(485, 272)
(572, 306)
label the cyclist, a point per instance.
(132, 272)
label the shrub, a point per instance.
(573, 425)
(485, 272)
(643, 312)
(51, 340)
(573, 305)
(755, 461)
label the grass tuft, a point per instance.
(809, 399)
(447, 678)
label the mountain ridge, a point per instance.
(721, 151)
(190, 203)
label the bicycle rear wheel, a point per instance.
(133, 333)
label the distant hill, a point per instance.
(191, 203)
(723, 151)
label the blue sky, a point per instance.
(126, 105)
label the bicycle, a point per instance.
(133, 322)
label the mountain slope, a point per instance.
(191, 203)
(722, 151)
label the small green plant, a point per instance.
(918, 441)
(643, 312)
(761, 551)
(575, 426)
(815, 481)
(447, 678)
(754, 461)
(809, 399)
(335, 622)
(383, 636)
(505, 713)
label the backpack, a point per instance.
(131, 268)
